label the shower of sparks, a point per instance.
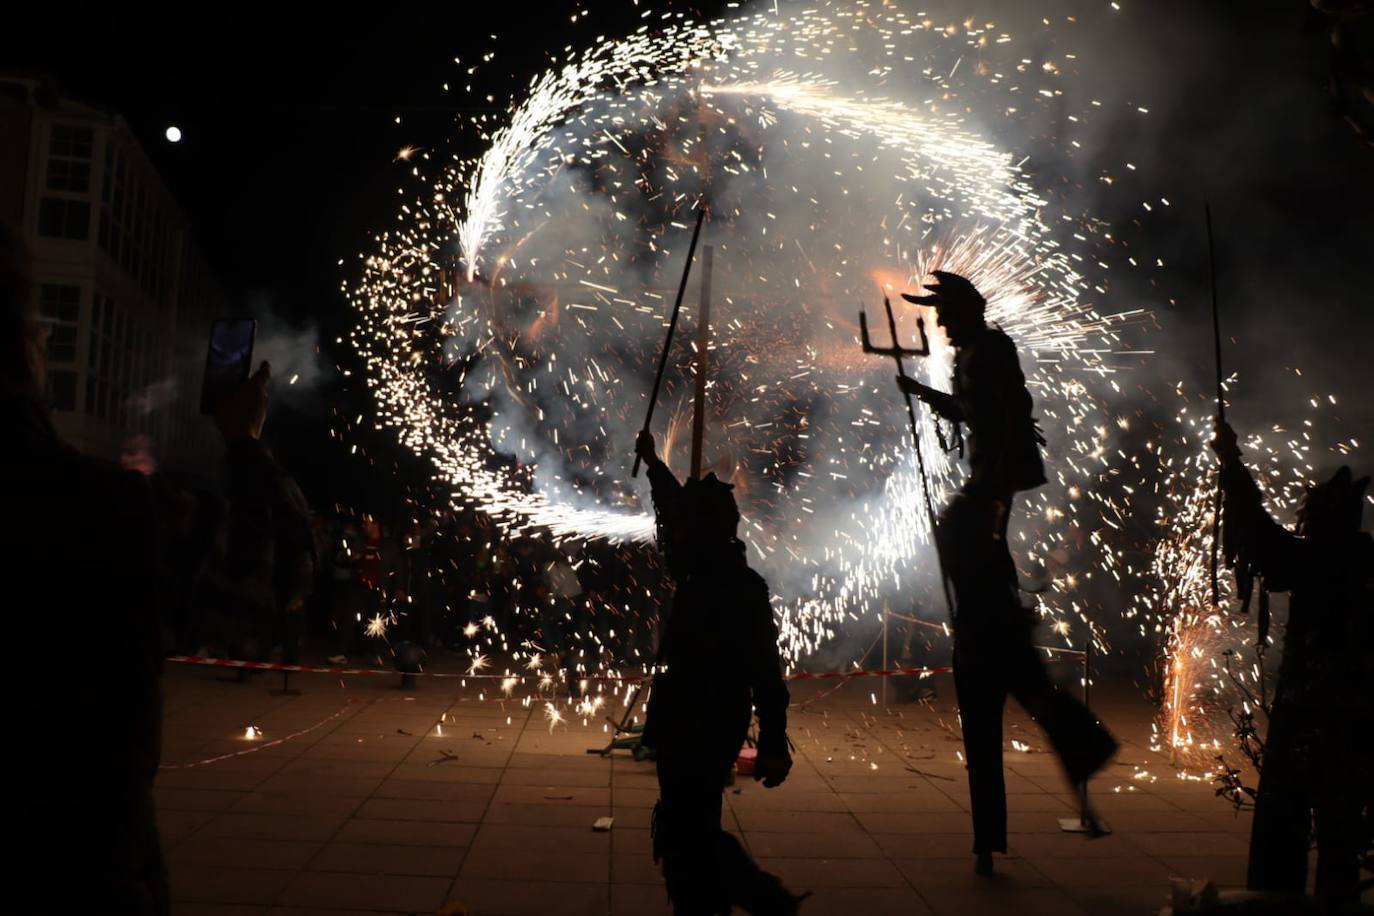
(1197, 694)
(509, 322)
(535, 280)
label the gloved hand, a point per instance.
(1224, 442)
(644, 447)
(772, 769)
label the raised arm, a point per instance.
(1250, 534)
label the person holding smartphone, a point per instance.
(79, 548)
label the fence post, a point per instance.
(884, 678)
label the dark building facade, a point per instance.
(117, 274)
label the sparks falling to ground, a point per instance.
(510, 320)
(536, 280)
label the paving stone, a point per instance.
(868, 901)
(232, 852)
(802, 874)
(994, 898)
(638, 899)
(811, 845)
(406, 833)
(385, 859)
(1223, 870)
(432, 790)
(926, 873)
(486, 897)
(365, 891)
(213, 884)
(273, 826)
(408, 809)
(355, 818)
(517, 866)
(798, 821)
(553, 794)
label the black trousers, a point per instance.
(1309, 775)
(705, 869)
(994, 657)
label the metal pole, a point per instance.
(1084, 822)
(1088, 672)
(884, 679)
(702, 361)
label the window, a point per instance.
(132, 227)
(98, 355)
(71, 142)
(62, 344)
(60, 301)
(60, 305)
(69, 175)
(64, 219)
(62, 389)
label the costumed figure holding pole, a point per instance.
(717, 665)
(1318, 750)
(993, 651)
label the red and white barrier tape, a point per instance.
(893, 615)
(258, 747)
(630, 678)
(885, 672)
(375, 672)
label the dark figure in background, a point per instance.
(719, 654)
(993, 651)
(79, 548)
(1318, 758)
(263, 567)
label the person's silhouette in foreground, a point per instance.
(718, 657)
(80, 550)
(993, 651)
(1318, 757)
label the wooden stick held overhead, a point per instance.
(672, 326)
(1221, 395)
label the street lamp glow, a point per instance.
(174, 134)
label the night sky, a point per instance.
(290, 136)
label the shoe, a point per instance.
(983, 864)
(337, 659)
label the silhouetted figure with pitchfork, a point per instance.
(993, 651)
(718, 658)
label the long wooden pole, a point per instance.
(1221, 395)
(702, 361)
(672, 326)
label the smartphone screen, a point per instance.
(228, 360)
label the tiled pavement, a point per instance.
(380, 811)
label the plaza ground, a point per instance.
(398, 801)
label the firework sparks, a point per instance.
(552, 716)
(656, 122)
(378, 625)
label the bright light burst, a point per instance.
(534, 284)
